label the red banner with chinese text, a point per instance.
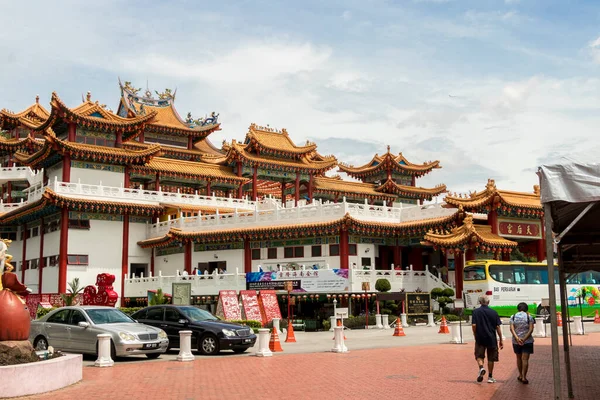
(250, 305)
(228, 307)
(269, 305)
(520, 228)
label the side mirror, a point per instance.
(83, 324)
(183, 321)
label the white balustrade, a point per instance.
(263, 343)
(185, 346)
(539, 328)
(339, 345)
(104, 358)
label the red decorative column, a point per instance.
(397, 256)
(310, 188)
(23, 259)
(62, 253)
(470, 255)
(157, 182)
(119, 139)
(125, 253)
(42, 262)
(152, 261)
(188, 256)
(344, 250)
(72, 130)
(240, 191)
(66, 167)
(126, 177)
(247, 256)
(190, 143)
(9, 191)
(208, 190)
(141, 137)
(493, 221)
(255, 184)
(283, 194)
(297, 189)
(413, 181)
(383, 256)
(459, 266)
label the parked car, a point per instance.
(209, 334)
(75, 329)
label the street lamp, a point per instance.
(288, 286)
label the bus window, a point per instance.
(519, 274)
(503, 273)
(537, 275)
(474, 273)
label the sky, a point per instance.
(491, 88)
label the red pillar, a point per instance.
(397, 256)
(141, 137)
(190, 143)
(383, 256)
(413, 181)
(125, 253)
(493, 221)
(188, 256)
(119, 139)
(506, 256)
(42, 262)
(283, 194)
(344, 249)
(157, 182)
(240, 192)
(255, 184)
(66, 172)
(126, 177)
(297, 189)
(458, 273)
(152, 261)
(208, 190)
(310, 188)
(23, 259)
(470, 255)
(62, 253)
(72, 132)
(9, 191)
(247, 256)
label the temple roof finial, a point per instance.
(388, 148)
(37, 99)
(88, 96)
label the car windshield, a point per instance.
(101, 316)
(197, 314)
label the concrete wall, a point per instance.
(94, 177)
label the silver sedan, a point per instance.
(75, 329)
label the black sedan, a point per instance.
(209, 334)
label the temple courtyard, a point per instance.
(378, 365)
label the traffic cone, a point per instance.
(274, 344)
(558, 319)
(339, 323)
(290, 338)
(399, 331)
(444, 326)
(597, 318)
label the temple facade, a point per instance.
(142, 192)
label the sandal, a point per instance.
(520, 379)
(525, 381)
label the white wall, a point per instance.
(362, 251)
(138, 255)
(169, 265)
(271, 264)
(234, 258)
(54, 172)
(51, 245)
(50, 280)
(94, 177)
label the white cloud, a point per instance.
(594, 49)
(348, 81)
(346, 15)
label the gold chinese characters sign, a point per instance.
(418, 303)
(519, 228)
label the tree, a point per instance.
(383, 285)
(71, 295)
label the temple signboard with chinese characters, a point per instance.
(418, 303)
(530, 229)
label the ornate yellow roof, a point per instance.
(269, 141)
(389, 186)
(390, 162)
(208, 149)
(469, 236)
(358, 189)
(19, 144)
(302, 164)
(181, 168)
(492, 198)
(32, 116)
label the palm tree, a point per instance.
(74, 289)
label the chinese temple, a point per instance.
(143, 194)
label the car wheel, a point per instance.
(40, 343)
(544, 312)
(153, 356)
(240, 351)
(208, 345)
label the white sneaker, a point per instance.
(491, 380)
(481, 374)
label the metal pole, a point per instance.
(565, 328)
(552, 295)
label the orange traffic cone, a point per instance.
(597, 318)
(274, 344)
(290, 338)
(399, 331)
(558, 319)
(339, 323)
(444, 326)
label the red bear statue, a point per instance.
(104, 296)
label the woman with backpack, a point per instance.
(521, 328)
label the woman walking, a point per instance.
(521, 328)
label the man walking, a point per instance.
(486, 325)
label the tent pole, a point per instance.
(552, 295)
(565, 328)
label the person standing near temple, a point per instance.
(486, 326)
(521, 328)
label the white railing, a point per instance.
(407, 280)
(262, 215)
(22, 174)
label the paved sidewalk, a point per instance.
(439, 371)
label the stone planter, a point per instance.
(41, 377)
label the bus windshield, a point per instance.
(474, 273)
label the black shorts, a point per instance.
(527, 348)
(492, 352)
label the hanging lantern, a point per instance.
(353, 295)
(328, 296)
(346, 295)
(305, 296)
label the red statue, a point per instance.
(104, 296)
(14, 317)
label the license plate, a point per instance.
(150, 346)
(247, 340)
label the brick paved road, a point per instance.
(441, 371)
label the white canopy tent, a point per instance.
(570, 193)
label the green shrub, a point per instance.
(437, 292)
(129, 310)
(393, 308)
(386, 311)
(383, 285)
(448, 292)
(250, 323)
(326, 324)
(452, 318)
(358, 322)
(43, 311)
